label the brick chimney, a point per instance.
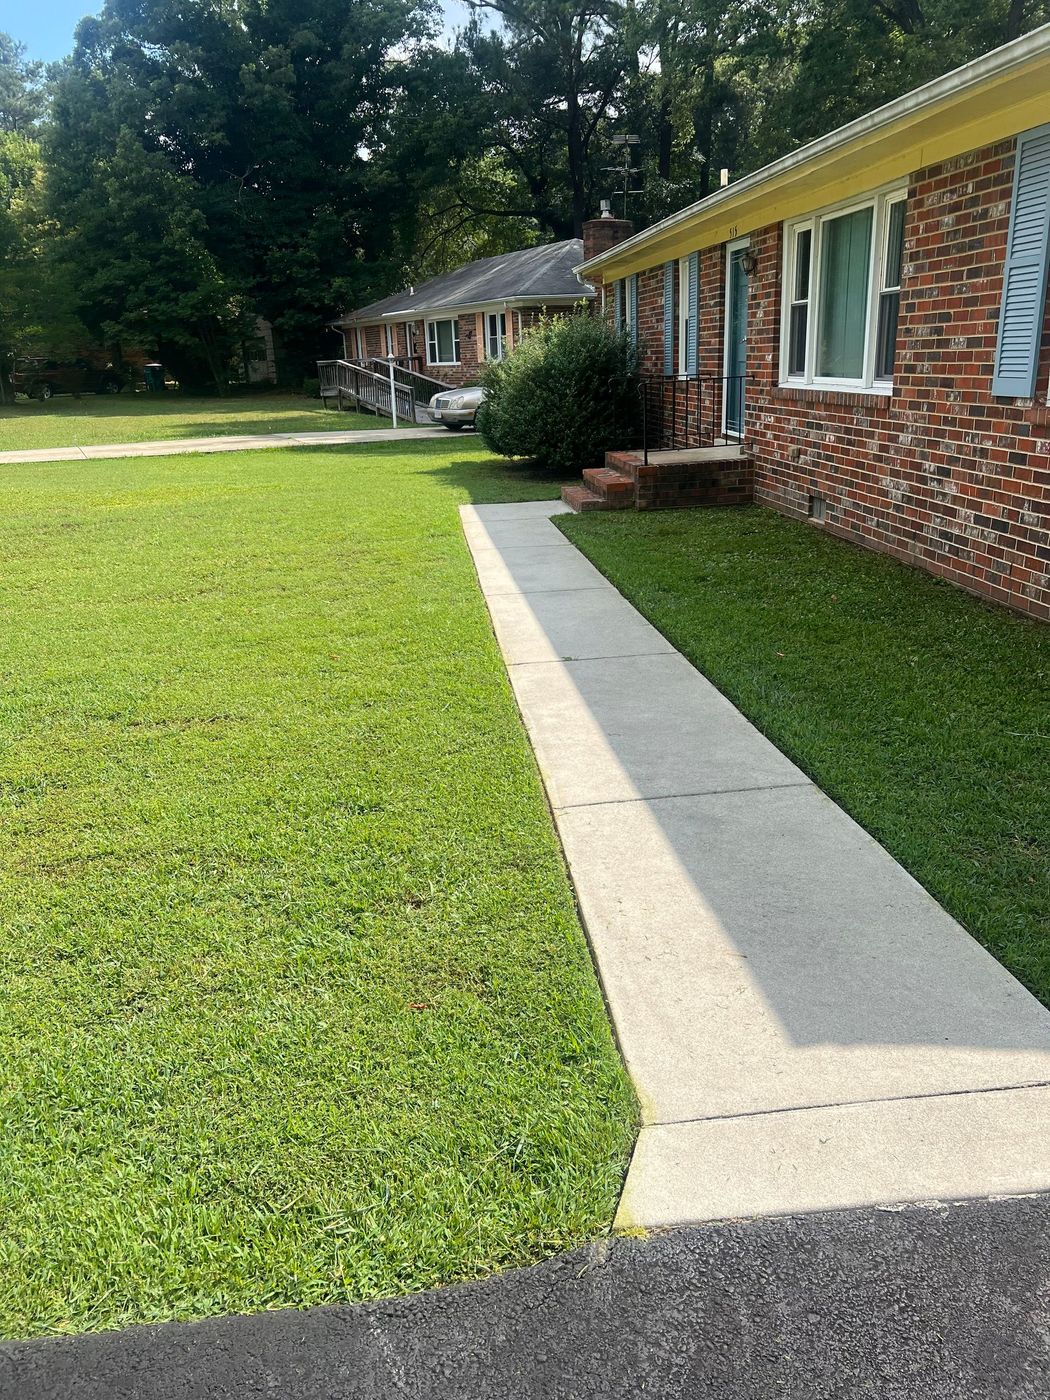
(599, 235)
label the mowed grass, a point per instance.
(96, 420)
(923, 711)
(296, 1005)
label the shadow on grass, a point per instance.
(489, 480)
(101, 420)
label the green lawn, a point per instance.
(296, 1005)
(924, 712)
(97, 420)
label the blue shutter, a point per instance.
(618, 305)
(1024, 278)
(632, 287)
(669, 318)
(694, 306)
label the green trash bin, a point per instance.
(154, 379)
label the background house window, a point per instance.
(443, 342)
(495, 335)
(890, 296)
(842, 275)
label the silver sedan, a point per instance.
(456, 408)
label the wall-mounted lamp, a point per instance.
(749, 262)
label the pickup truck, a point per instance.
(43, 379)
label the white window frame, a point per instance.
(433, 349)
(501, 335)
(684, 291)
(388, 331)
(879, 202)
(883, 286)
(791, 300)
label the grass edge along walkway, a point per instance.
(921, 710)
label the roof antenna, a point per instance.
(626, 170)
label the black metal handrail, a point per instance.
(699, 410)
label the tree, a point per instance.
(159, 286)
(32, 306)
(854, 55)
(21, 88)
(551, 74)
(274, 118)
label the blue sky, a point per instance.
(46, 26)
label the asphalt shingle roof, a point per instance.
(531, 274)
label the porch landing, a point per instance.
(806, 1028)
(721, 452)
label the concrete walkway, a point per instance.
(168, 447)
(805, 1026)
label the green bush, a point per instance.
(566, 395)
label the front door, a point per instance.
(736, 340)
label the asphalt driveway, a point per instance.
(924, 1303)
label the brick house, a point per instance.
(449, 327)
(858, 333)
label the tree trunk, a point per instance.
(577, 164)
(664, 137)
(703, 124)
(1014, 20)
(664, 127)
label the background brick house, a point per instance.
(450, 326)
(883, 290)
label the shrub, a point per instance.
(566, 395)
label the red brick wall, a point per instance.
(471, 343)
(942, 474)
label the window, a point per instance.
(388, 331)
(443, 342)
(798, 327)
(495, 334)
(890, 296)
(842, 279)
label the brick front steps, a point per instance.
(700, 476)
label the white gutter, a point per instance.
(999, 61)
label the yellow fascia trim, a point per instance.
(1003, 105)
